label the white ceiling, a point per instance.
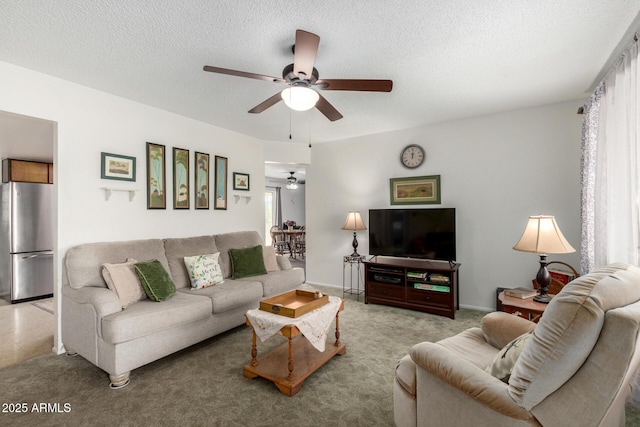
(448, 59)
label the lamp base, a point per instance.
(544, 299)
(355, 253)
(544, 279)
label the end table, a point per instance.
(526, 308)
(353, 266)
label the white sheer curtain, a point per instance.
(610, 168)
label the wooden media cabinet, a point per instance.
(418, 284)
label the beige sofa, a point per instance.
(576, 368)
(118, 340)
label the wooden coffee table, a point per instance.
(289, 364)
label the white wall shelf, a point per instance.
(109, 190)
(238, 197)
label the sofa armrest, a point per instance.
(283, 262)
(467, 378)
(103, 300)
(500, 328)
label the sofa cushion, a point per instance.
(122, 279)
(247, 262)
(270, 260)
(277, 282)
(155, 280)
(236, 240)
(82, 263)
(230, 294)
(568, 331)
(178, 248)
(505, 359)
(204, 270)
(147, 317)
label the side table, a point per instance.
(526, 308)
(354, 267)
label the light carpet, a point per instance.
(203, 385)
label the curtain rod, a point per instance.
(615, 56)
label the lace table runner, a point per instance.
(313, 325)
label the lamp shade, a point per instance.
(543, 236)
(354, 222)
(300, 98)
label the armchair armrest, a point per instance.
(468, 378)
(500, 328)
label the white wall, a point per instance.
(495, 170)
(26, 138)
(90, 122)
(287, 152)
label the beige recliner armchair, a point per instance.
(576, 367)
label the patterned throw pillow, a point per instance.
(506, 359)
(204, 270)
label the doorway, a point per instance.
(270, 213)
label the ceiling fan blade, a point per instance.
(327, 109)
(306, 49)
(266, 104)
(242, 74)
(356, 85)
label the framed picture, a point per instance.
(115, 166)
(156, 196)
(221, 183)
(241, 181)
(419, 190)
(180, 178)
(201, 181)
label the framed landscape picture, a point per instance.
(156, 195)
(201, 180)
(220, 201)
(416, 190)
(115, 166)
(180, 178)
(241, 181)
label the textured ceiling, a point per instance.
(447, 58)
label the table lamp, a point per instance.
(354, 223)
(543, 236)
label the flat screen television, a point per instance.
(413, 233)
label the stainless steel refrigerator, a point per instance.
(26, 241)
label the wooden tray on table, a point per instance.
(294, 303)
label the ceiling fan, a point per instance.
(291, 182)
(301, 77)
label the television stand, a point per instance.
(425, 285)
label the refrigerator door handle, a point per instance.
(37, 255)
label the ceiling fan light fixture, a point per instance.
(300, 98)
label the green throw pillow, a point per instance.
(155, 280)
(247, 262)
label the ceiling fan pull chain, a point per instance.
(289, 124)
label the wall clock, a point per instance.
(412, 156)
